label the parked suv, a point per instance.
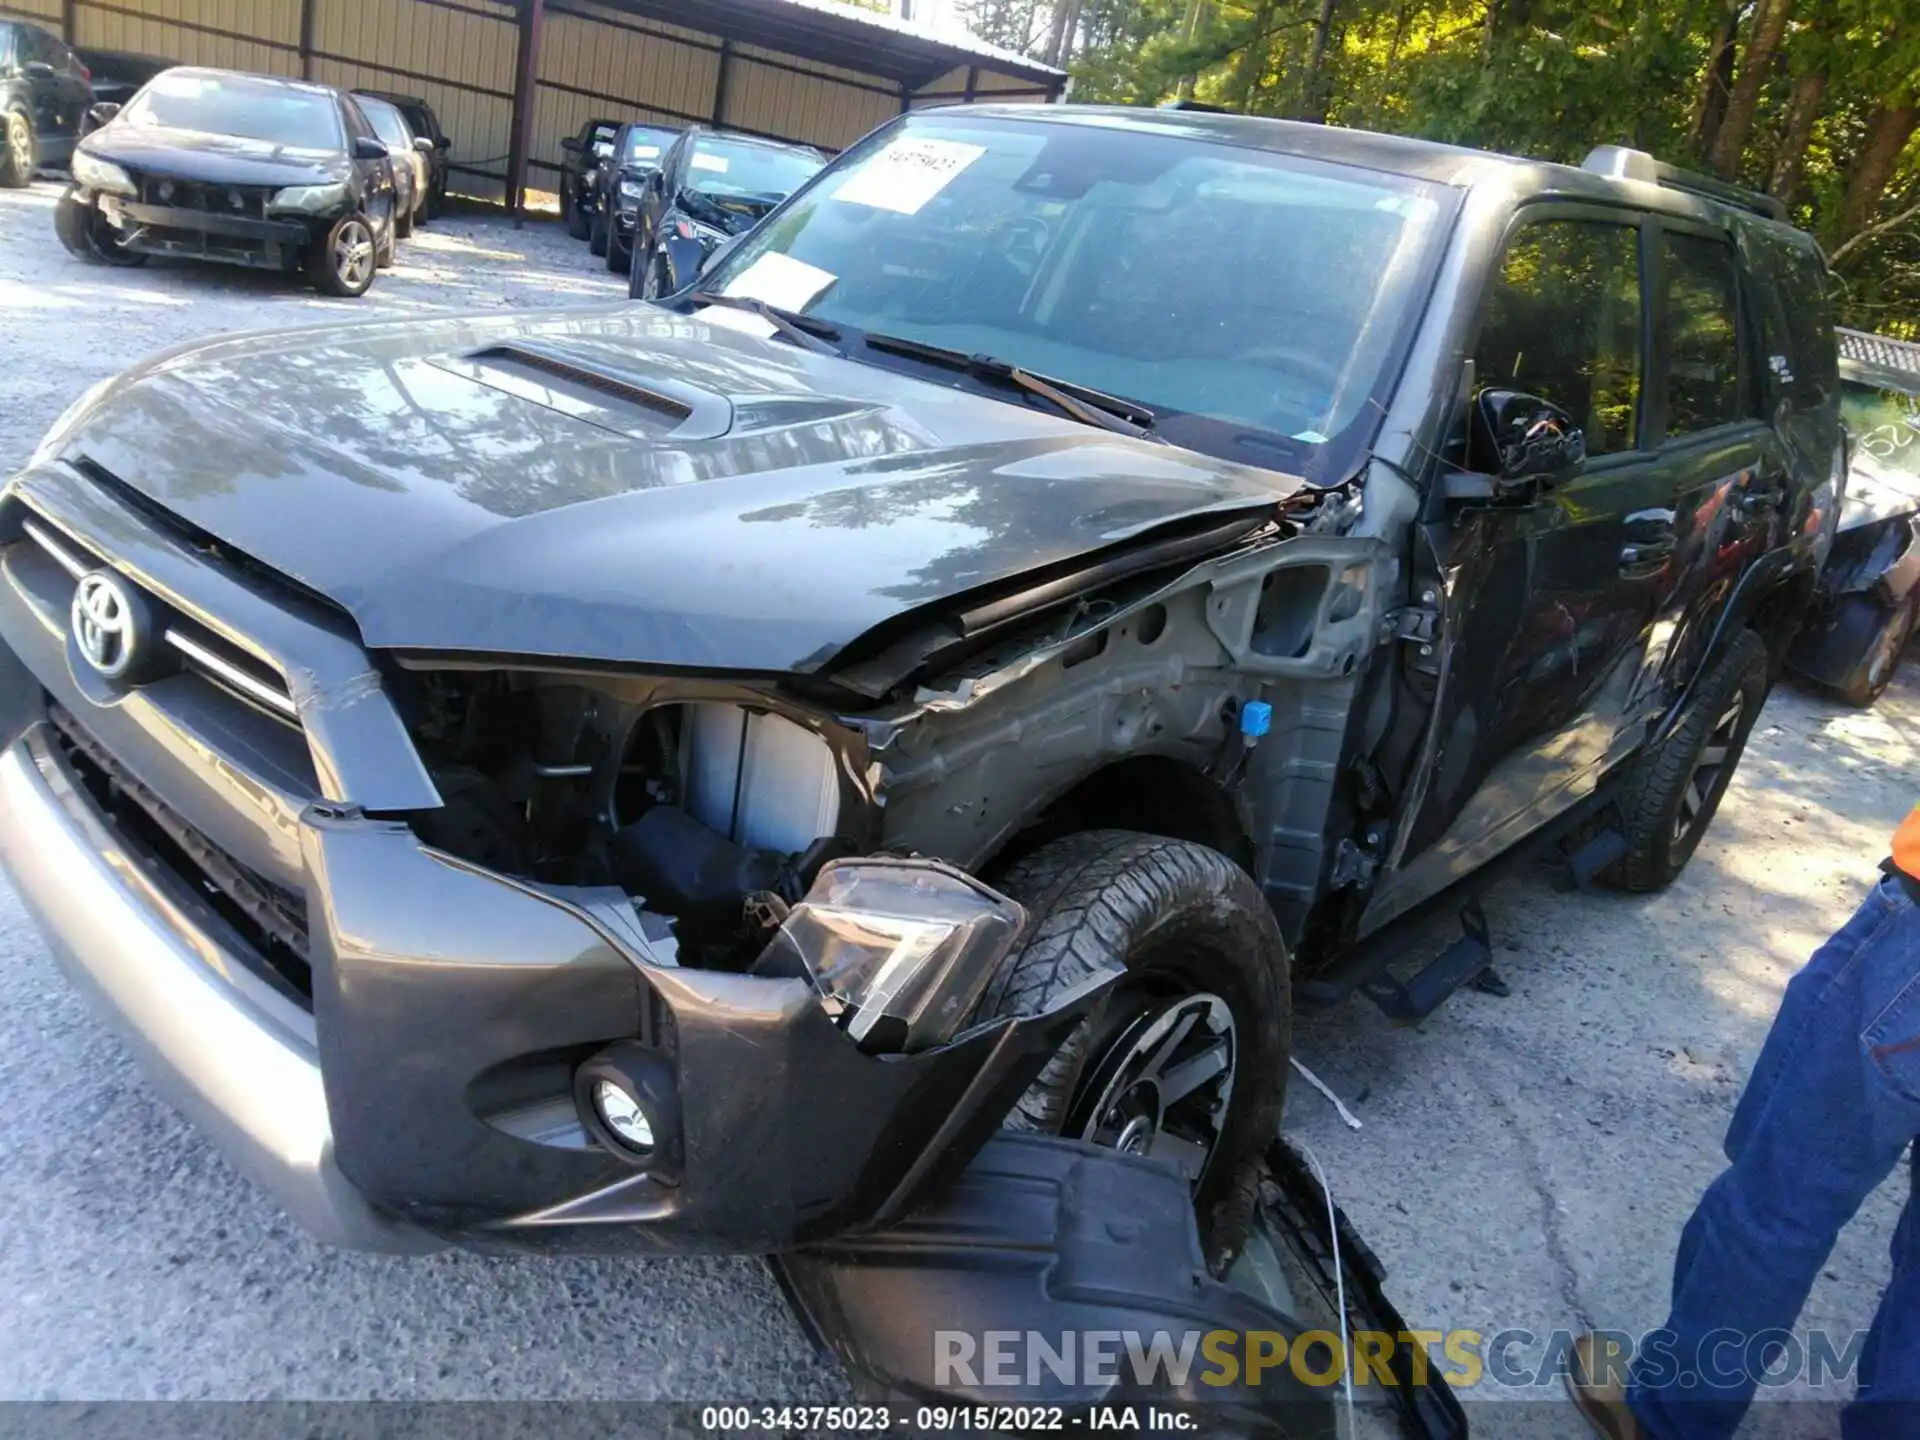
(585, 154)
(1065, 583)
(44, 95)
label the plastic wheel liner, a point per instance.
(1056, 1274)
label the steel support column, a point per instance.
(70, 21)
(306, 39)
(722, 75)
(526, 76)
(973, 85)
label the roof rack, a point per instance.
(1624, 164)
(1881, 350)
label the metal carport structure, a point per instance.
(510, 78)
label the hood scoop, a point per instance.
(641, 407)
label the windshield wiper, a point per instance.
(806, 332)
(1089, 407)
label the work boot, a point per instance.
(1597, 1383)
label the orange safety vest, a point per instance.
(1906, 844)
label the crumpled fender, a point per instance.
(1043, 1235)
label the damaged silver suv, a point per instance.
(1066, 585)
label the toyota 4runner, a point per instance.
(679, 777)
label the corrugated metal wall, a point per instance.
(460, 56)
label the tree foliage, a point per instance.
(1816, 101)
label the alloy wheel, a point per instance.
(1887, 646)
(20, 144)
(353, 254)
(1710, 768)
(1164, 1083)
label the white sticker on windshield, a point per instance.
(781, 281)
(644, 152)
(715, 163)
(907, 174)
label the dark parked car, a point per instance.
(44, 93)
(117, 74)
(579, 171)
(971, 653)
(1869, 596)
(411, 173)
(245, 169)
(425, 125)
(638, 151)
(711, 187)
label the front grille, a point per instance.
(247, 201)
(213, 656)
(268, 920)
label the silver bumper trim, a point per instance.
(237, 1059)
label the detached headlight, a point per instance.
(900, 950)
(693, 230)
(308, 199)
(98, 174)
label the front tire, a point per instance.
(572, 216)
(1187, 1057)
(343, 263)
(1868, 680)
(84, 231)
(403, 224)
(648, 281)
(597, 234)
(18, 151)
(1676, 786)
(619, 254)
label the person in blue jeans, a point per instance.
(1831, 1106)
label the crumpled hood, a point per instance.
(622, 484)
(214, 159)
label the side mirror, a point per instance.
(102, 113)
(423, 144)
(1524, 442)
(441, 142)
(365, 147)
(571, 144)
(38, 70)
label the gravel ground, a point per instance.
(1525, 1162)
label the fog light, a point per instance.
(623, 1114)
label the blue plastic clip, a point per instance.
(1256, 718)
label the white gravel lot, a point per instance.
(1524, 1163)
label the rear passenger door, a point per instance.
(1727, 467)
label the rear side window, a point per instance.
(1562, 321)
(1702, 334)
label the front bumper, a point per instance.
(233, 1055)
(1876, 562)
(208, 235)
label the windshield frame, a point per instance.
(698, 144)
(238, 83)
(1322, 465)
(663, 135)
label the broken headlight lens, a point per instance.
(900, 950)
(98, 174)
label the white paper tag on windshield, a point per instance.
(781, 281)
(715, 163)
(907, 174)
(645, 152)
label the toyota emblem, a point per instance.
(108, 624)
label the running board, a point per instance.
(1408, 1002)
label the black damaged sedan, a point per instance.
(245, 169)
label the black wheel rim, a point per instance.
(1161, 1083)
(1712, 768)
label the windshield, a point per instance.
(238, 105)
(1885, 424)
(720, 166)
(387, 124)
(1252, 300)
(645, 147)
